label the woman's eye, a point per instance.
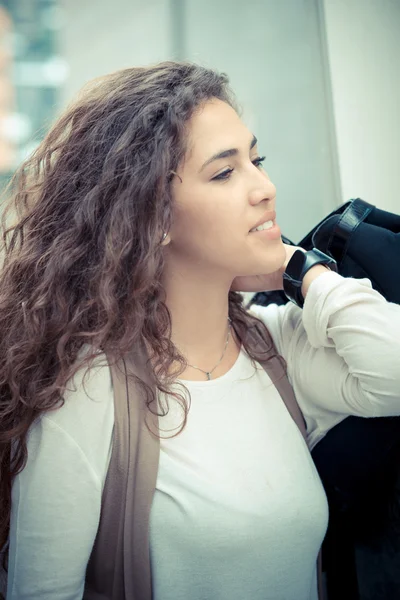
(257, 162)
(223, 175)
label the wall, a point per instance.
(99, 36)
(363, 40)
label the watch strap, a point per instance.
(299, 264)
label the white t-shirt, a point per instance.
(222, 514)
(239, 509)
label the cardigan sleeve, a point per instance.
(55, 515)
(56, 499)
(342, 351)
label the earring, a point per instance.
(164, 236)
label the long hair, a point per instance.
(82, 261)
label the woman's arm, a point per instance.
(56, 499)
(55, 514)
(342, 349)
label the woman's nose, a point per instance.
(264, 189)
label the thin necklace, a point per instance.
(208, 373)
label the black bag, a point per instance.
(365, 242)
(358, 460)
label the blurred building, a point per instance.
(31, 73)
(7, 146)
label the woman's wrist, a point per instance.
(310, 276)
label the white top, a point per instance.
(242, 508)
(239, 511)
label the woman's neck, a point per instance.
(199, 315)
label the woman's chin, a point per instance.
(273, 260)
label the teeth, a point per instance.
(266, 225)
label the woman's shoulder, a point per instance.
(280, 320)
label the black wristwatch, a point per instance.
(297, 267)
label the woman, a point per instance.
(137, 219)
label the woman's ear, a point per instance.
(176, 174)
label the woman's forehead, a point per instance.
(214, 128)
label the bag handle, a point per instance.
(356, 212)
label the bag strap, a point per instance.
(356, 212)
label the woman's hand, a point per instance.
(264, 283)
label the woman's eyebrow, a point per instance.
(227, 153)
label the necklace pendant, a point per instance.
(208, 373)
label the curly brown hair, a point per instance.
(83, 260)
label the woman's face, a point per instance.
(223, 192)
